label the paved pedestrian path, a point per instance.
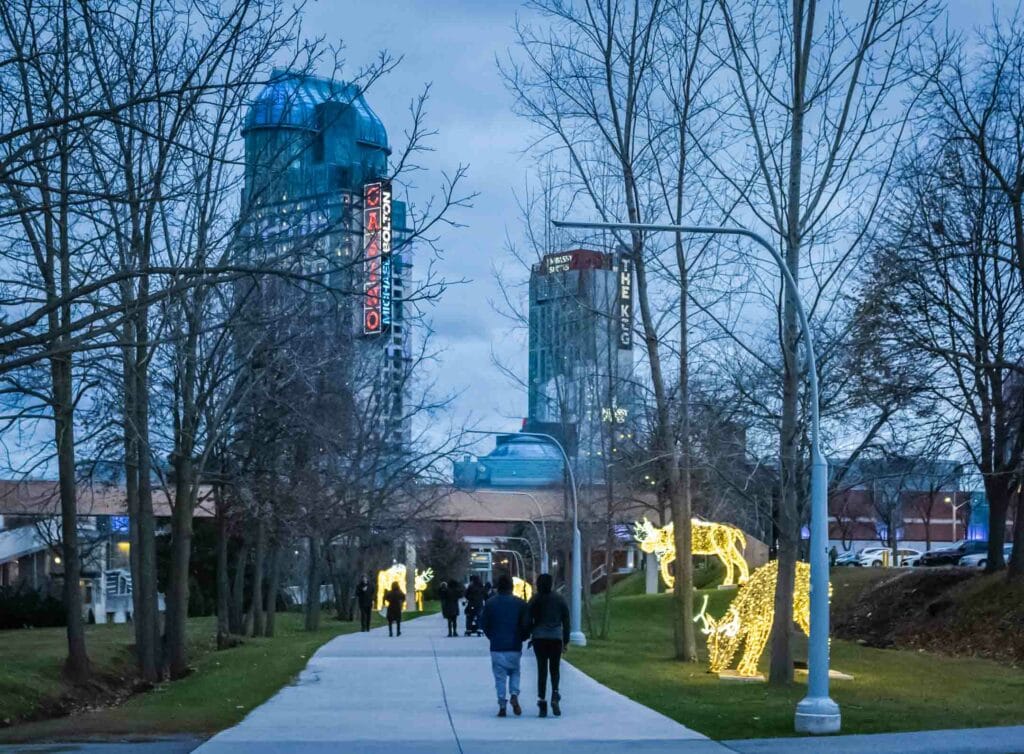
(424, 693)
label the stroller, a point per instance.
(472, 611)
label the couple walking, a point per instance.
(508, 621)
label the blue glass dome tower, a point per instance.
(311, 144)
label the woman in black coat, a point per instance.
(450, 595)
(395, 598)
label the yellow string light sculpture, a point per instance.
(748, 621)
(397, 573)
(521, 588)
(708, 538)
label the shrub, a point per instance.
(24, 607)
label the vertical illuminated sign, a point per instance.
(625, 305)
(377, 264)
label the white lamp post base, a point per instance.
(817, 716)
(578, 639)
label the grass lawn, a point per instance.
(223, 688)
(892, 690)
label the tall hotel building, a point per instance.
(316, 160)
(581, 369)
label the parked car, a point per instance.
(877, 557)
(848, 558)
(951, 555)
(866, 552)
(980, 559)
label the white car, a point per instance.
(980, 559)
(875, 557)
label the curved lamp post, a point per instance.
(816, 713)
(542, 532)
(576, 635)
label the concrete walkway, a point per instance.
(423, 693)
(1008, 740)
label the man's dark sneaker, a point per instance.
(502, 712)
(555, 699)
(515, 705)
(543, 707)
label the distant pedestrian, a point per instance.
(833, 555)
(395, 598)
(450, 594)
(364, 598)
(547, 617)
(488, 591)
(474, 604)
(503, 621)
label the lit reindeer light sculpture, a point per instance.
(721, 540)
(521, 588)
(748, 621)
(397, 573)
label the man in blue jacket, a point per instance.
(503, 621)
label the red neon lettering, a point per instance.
(373, 220)
(372, 195)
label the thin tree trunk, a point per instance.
(312, 622)
(223, 580)
(178, 586)
(781, 668)
(256, 606)
(237, 614)
(274, 584)
(76, 666)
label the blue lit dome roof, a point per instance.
(289, 100)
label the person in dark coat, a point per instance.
(474, 604)
(547, 618)
(450, 594)
(503, 619)
(364, 598)
(395, 599)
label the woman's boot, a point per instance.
(543, 707)
(555, 699)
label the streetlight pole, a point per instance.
(816, 713)
(576, 635)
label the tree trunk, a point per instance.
(684, 633)
(312, 622)
(256, 606)
(223, 580)
(998, 492)
(274, 584)
(177, 584)
(781, 669)
(76, 666)
(237, 614)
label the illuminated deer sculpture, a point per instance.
(724, 541)
(748, 621)
(397, 573)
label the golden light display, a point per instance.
(748, 621)
(397, 573)
(521, 588)
(721, 540)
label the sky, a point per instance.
(452, 44)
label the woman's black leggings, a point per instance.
(453, 625)
(549, 657)
(395, 622)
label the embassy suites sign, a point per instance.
(377, 260)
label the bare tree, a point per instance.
(811, 92)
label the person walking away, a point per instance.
(449, 594)
(395, 599)
(364, 598)
(503, 619)
(474, 604)
(548, 621)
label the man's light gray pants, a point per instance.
(505, 666)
